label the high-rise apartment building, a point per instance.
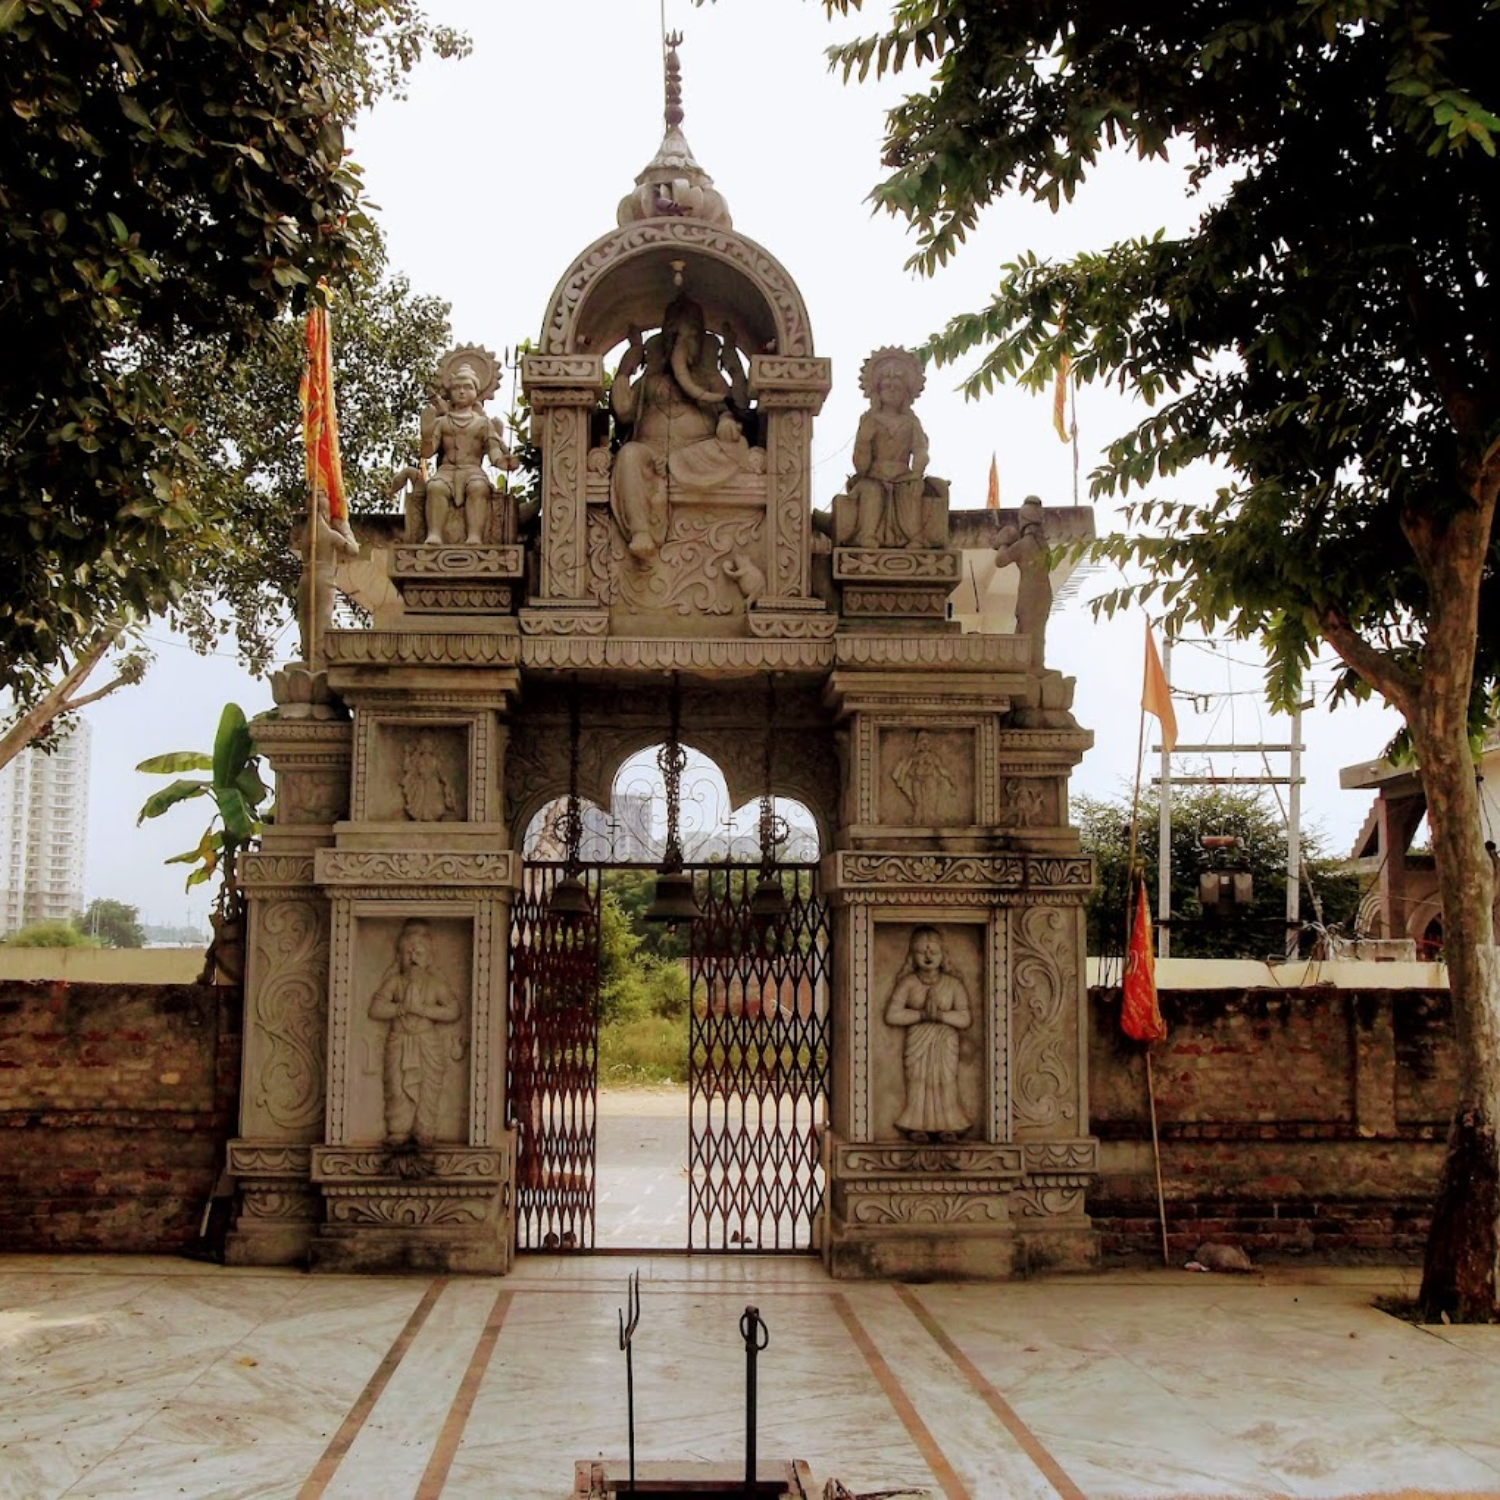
(44, 814)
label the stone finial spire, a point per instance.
(672, 184)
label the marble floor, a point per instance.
(158, 1377)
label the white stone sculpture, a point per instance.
(421, 1010)
(924, 780)
(890, 487)
(1026, 546)
(931, 1002)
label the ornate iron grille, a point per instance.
(552, 1071)
(758, 1072)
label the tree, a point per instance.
(48, 935)
(1324, 341)
(112, 923)
(175, 180)
(1247, 816)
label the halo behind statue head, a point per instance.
(901, 363)
(480, 363)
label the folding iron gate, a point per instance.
(553, 1062)
(758, 1062)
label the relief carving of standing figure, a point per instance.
(930, 1001)
(923, 779)
(426, 793)
(677, 393)
(420, 1008)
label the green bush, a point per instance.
(49, 935)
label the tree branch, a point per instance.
(35, 720)
(1396, 685)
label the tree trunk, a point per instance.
(1459, 1273)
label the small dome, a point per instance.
(672, 184)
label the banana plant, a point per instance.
(237, 792)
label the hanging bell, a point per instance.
(674, 900)
(570, 899)
(769, 903)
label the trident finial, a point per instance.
(674, 80)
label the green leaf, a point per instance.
(176, 760)
(179, 791)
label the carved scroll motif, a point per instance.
(923, 1203)
(563, 578)
(690, 577)
(1044, 1078)
(789, 500)
(288, 1015)
(1048, 1202)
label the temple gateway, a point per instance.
(901, 1087)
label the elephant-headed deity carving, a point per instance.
(680, 400)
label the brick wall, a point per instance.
(1291, 1121)
(115, 1104)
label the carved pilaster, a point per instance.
(791, 392)
(564, 390)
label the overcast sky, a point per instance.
(498, 170)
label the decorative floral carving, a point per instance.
(970, 1160)
(257, 870)
(458, 562)
(912, 1204)
(905, 604)
(1062, 1156)
(285, 1205)
(341, 866)
(287, 1014)
(1044, 1075)
(688, 578)
(884, 562)
(457, 599)
(413, 1209)
(790, 499)
(347, 1164)
(253, 1159)
(1048, 1202)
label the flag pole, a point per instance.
(1161, 1198)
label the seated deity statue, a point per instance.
(890, 487)
(459, 435)
(678, 393)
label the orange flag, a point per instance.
(320, 424)
(992, 500)
(1140, 1016)
(1060, 398)
(1156, 697)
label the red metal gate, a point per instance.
(758, 1063)
(552, 1062)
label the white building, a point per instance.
(44, 811)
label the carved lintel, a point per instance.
(348, 867)
(914, 602)
(414, 1205)
(564, 617)
(542, 374)
(966, 1159)
(787, 625)
(1079, 1156)
(268, 1159)
(434, 1164)
(963, 871)
(447, 564)
(898, 564)
(457, 599)
(426, 648)
(780, 381)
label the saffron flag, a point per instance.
(1140, 1015)
(1060, 398)
(992, 500)
(320, 425)
(1156, 696)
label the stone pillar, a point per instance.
(564, 391)
(956, 1150)
(791, 392)
(283, 1076)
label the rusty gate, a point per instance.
(758, 1041)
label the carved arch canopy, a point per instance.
(803, 768)
(628, 277)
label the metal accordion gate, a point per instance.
(758, 1045)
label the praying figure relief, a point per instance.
(930, 1001)
(677, 393)
(890, 488)
(421, 1010)
(426, 793)
(923, 779)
